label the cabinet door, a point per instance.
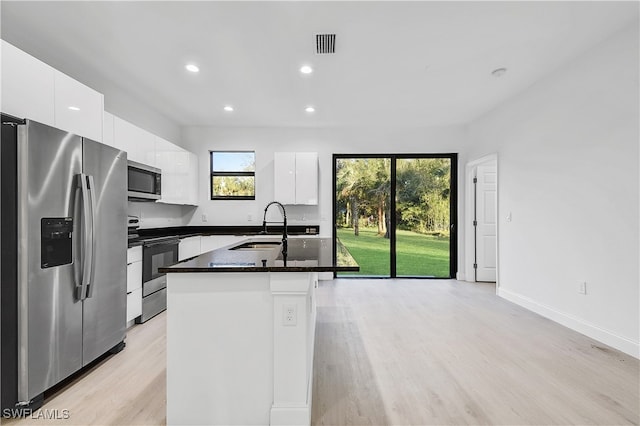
(193, 180)
(284, 177)
(139, 144)
(134, 276)
(78, 108)
(188, 247)
(307, 178)
(134, 304)
(214, 242)
(27, 86)
(107, 129)
(174, 163)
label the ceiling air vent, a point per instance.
(325, 43)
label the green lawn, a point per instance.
(417, 254)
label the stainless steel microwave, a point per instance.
(143, 182)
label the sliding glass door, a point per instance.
(396, 213)
(362, 200)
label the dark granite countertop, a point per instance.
(303, 255)
(192, 231)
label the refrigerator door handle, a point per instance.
(92, 264)
(87, 234)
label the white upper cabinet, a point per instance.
(296, 177)
(27, 86)
(179, 167)
(78, 108)
(193, 188)
(108, 138)
(168, 156)
(179, 173)
(139, 144)
(284, 169)
(307, 178)
(34, 90)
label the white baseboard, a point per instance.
(290, 415)
(460, 276)
(591, 330)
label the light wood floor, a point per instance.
(402, 352)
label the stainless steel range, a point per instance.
(157, 252)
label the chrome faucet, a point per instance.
(284, 223)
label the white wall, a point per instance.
(568, 174)
(266, 141)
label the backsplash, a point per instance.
(159, 215)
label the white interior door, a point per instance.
(486, 221)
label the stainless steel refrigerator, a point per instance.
(63, 267)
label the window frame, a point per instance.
(213, 174)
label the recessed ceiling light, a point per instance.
(310, 109)
(306, 69)
(74, 108)
(498, 72)
(192, 68)
(228, 108)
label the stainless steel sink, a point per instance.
(257, 245)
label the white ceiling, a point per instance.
(396, 63)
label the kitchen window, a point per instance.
(233, 175)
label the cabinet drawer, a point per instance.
(134, 304)
(134, 276)
(134, 254)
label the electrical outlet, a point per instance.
(289, 315)
(204, 217)
(582, 287)
(249, 217)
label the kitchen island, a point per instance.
(241, 331)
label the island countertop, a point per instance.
(303, 255)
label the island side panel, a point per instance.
(293, 346)
(219, 348)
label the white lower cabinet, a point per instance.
(134, 304)
(134, 283)
(188, 247)
(214, 242)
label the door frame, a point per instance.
(453, 209)
(469, 273)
